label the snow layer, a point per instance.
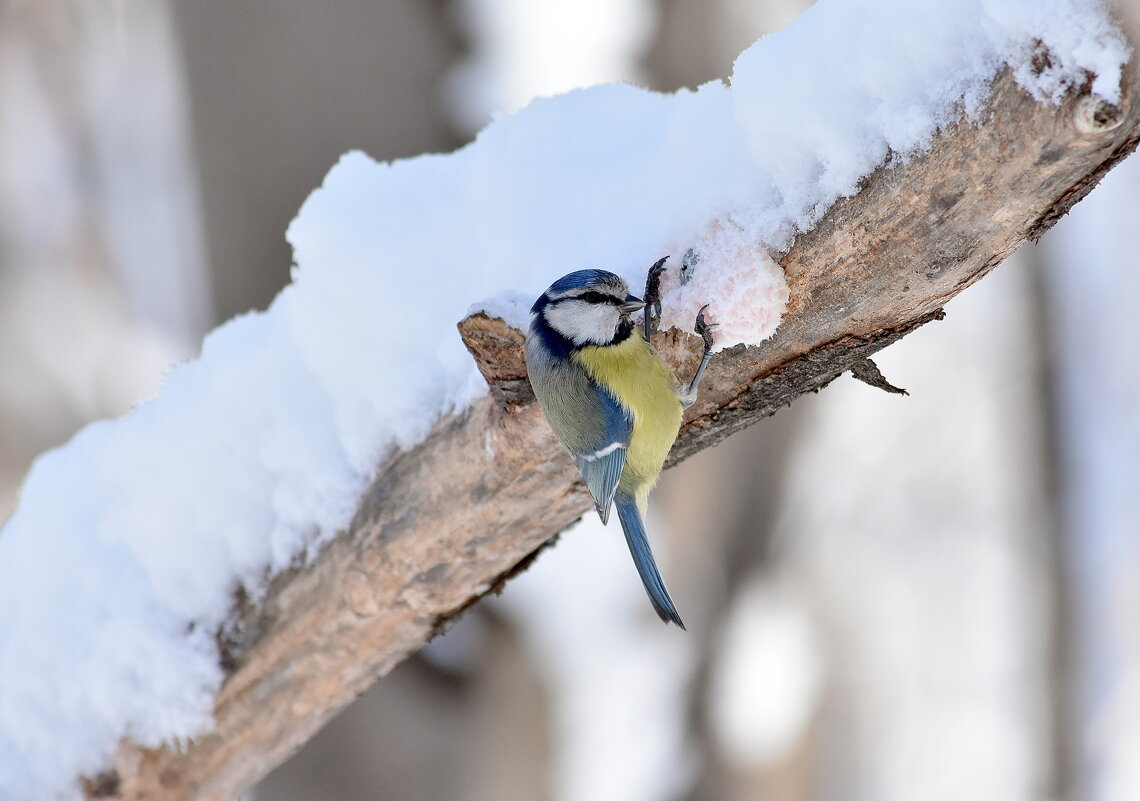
(129, 541)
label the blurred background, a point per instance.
(933, 597)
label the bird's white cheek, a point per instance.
(583, 322)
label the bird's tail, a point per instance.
(634, 529)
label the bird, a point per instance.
(611, 399)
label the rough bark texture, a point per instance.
(449, 521)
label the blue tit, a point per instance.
(611, 400)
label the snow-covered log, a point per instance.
(453, 518)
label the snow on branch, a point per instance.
(331, 483)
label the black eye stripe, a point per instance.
(589, 296)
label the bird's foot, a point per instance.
(653, 298)
(704, 329)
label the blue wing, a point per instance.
(601, 460)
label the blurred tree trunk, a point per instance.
(1091, 290)
(102, 282)
(279, 92)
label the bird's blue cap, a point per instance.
(583, 278)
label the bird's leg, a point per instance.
(704, 329)
(653, 298)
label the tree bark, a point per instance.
(454, 518)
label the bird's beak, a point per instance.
(632, 304)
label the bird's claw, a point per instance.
(653, 297)
(704, 328)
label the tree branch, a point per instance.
(452, 519)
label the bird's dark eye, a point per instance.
(595, 297)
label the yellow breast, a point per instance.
(635, 374)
